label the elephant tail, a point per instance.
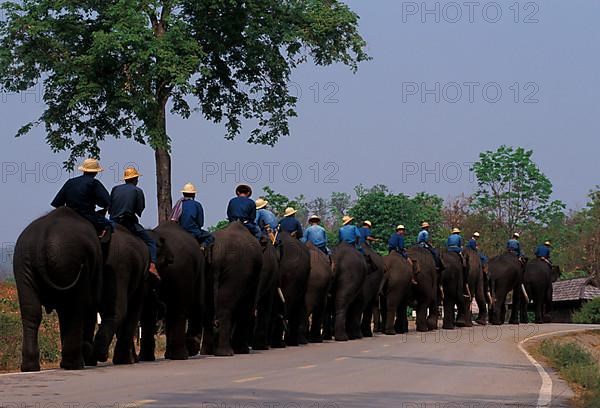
(48, 281)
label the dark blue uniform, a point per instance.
(365, 232)
(472, 244)
(455, 243)
(192, 220)
(542, 251)
(127, 203)
(291, 225)
(83, 194)
(243, 209)
(396, 243)
(514, 246)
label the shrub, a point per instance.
(589, 313)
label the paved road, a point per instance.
(471, 368)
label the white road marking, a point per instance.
(141, 403)
(249, 379)
(545, 394)
(341, 358)
(366, 351)
(306, 367)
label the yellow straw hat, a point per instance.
(517, 235)
(425, 225)
(400, 227)
(91, 166)
(314, 217)
(130, 172)
(367, 222)
(476, 234)
(189, 188)
(346, 219)
(456, 230)
(548, 243)
(289, 212)
(261, 203)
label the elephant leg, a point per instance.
(353, 320)
(422, 307)
(391, 322)
(277, 323)
(402, 318)
(482, 316)
(295, 336)
(31, 315)
(148, 323)
(367, 320)
(193, 335)
(223, 334)
(112, 319)
(547, 302)
(432, 316)
(88, 338)
(329, 320)
(71, 318)
(448, 320)
(317, 320)
(516, 311)
(243, 327)
(378, 322)
(263, 319)
(175, 331)
(124, 350)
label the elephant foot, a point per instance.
(460, 323)
(327, 337)
(292, 342)
(123, 359)
(260, 346)
(193, 346)
(30, 367)
(355, 336)
(390, 332)
(481, 322)
(342, 337)
(513, 321)
(71, 365)
(241, 350)
(302, 340)
(278, 344)
(526, 321)
(176, 355)
(315, 339)
(224, 352)
(448, 327)
(367, 333)
(547, 319)
(146, 355)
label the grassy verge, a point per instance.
(578, 366)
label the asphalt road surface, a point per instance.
(471, 368)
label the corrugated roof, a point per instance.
(574, 289)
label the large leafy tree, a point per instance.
(512, 190)
(116, 68)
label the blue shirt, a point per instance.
(515, 246)
(542, 251)
(192, 217)
(349, 233)
(265, 217)
(365, 232)
(315, 234)
(126, 200)
(455, 243)
(396, 243)
(82, 194)
(423, 236)
(472, 244)
(291, 225)
(241, 209)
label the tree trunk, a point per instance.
(163, 171)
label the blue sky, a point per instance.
(413, 118)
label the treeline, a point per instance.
(512, 195)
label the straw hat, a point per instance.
(400, 227)
(130, 172)
(456, 230)
(314, 217)
(476, 234)
(189, 188)
(346, 219)
(289, 212)
(91, 166)
(367, 222)
(425, 225)
(548, 243)
(261, 203)
(517, 235)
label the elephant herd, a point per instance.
(238, 295)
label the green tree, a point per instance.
(386, 210)
(116, 68)
(512, 191)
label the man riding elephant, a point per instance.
(514, 246)
(542, 252)
(189, 214)
(455, 245)
(290, 224)
(265, 219)
(243, 209)
(83, 194)
(316, 234)
(366, 233)
(424, 241)
(127, 203)
(396, 242)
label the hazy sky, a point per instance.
(413, 118)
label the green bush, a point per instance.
(589, 313)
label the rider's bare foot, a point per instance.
(153, 271)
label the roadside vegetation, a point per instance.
(578, 366)
(589, 313)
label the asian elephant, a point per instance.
(235, 262)
(505, 275)
(344, 308)
(319, 285)
(295, 270)
(370, 289)
(396, 291)
(182, 271)
(477, 290)
(266, 296)
(425, 292)
(124, 273)
(537, 280)
(452, 283)
(58, 265)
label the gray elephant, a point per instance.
(396, 291)
(235, 263)
(370, 290)
(344, 306)
(295, 270)
(537, 280)
(266, 296)
(452, 286)
(505, 275)
(180, 290)
(477, 290)
(425, 292)
(319, 285)
(58, 265)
